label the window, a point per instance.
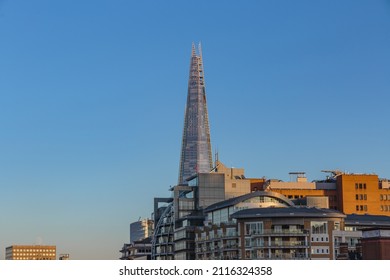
(365, 197)
(361, 207)
(357, 207)
(357, 197)
(278, 228)
(356, 186)
(248, 242)
(253, 228)
(364, 186)
(365, 207)
(319, 227)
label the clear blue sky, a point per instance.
(92, 97)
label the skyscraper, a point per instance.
(196, 145)
(195, 158)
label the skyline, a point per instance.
(93, 94)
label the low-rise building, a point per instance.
(137, 250)
(30, 252)
(376, 244)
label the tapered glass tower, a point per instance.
(196, 146)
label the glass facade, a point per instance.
(196, 146)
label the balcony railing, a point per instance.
(279, 244)
(283, 257)
(284, 232)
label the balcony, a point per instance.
(284, 232)
(298, 256)
(281, 244)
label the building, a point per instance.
(30, 252)
(174, 232)
(363, 194)
(141, 229)
(287, 233)
(137, 250)
(347, 192)
(140, 244)
(376, 244)
(195, 158)
(348, 242)
(196, 145)
(64, 257)
(162, 239)
(266, 225)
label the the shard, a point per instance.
(196, 154)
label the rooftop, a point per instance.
(302, 212)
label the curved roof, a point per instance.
(235, 200)
(291, 212)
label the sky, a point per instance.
(93, 92)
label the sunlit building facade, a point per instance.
(266, 225)
(30, 252)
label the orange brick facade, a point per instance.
(362, 194)
(353, 194)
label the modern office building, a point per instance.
(195, 158)
(30, 252)
(141, 229)
(196, 145)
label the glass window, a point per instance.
(319, 227)
(253, 228)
